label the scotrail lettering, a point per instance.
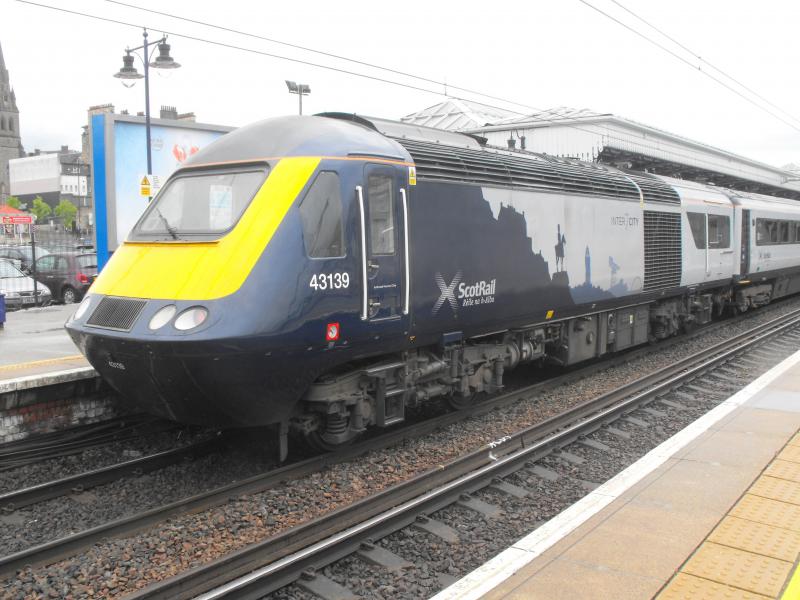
(481, 292)
(458, 294)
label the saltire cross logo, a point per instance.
(448, 293)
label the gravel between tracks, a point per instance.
(97, 457)
(116, 567)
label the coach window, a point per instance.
(381, 214)
(697, 222)
(321, 212)
(783, 232)
(719, 232)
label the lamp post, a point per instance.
(129, 72)
(301, 89)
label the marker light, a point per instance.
(191, 318)
(84, 306)
(162, 317)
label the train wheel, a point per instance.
(459, 402)
(333, 434)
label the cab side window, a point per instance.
(321, 213)
(719, 231)
(380, 195)
(697, 221)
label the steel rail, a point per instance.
(47, 446)
(339, 533)
(60, 548)
(83, 481)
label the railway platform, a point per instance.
(33, 343)
(713, 512)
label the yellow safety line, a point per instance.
(40, 363)
(792, 591)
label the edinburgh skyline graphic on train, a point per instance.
(578, 251)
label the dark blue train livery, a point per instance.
(325, 273)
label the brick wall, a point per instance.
(65, 400)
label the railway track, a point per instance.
(76, 439)
(83, 481)
(297, 554)
(61, 548)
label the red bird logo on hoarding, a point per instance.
(179, 152)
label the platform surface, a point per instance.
(718, 516)
(34, 342)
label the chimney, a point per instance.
(190, 116)
(169, 112)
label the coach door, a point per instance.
(382, 202)
(744, 257)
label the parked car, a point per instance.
(21, 256)
(68, 275)
(18, 288)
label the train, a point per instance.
(323, 274)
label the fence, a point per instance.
(44, 264)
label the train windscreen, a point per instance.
(199, 206)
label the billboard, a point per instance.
(119, 161)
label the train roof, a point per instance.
(298, 136)
(450, 156)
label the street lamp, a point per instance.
(301, 89)
(129, 72)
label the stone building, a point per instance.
(10, 142)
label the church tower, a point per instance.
(10, 142)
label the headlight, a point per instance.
(11, 294)
(162, 317)
(83, 307)
(191, 318)
(43, 290)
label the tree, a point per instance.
(40, 208)
(13, 202)
(67, 211)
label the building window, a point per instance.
(11, 123)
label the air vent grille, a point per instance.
(439, 162)
(116, 313)
(662, 250)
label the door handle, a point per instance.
(372, 265)
(374, 306)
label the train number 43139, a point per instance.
(329, 281)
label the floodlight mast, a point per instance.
(301, 89)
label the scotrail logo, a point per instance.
(448, 292)
(481, 292)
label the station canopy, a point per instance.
(609, 139)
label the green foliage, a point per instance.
(13, 202)
(40, 208)
(67, 211)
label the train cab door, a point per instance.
(382, 203)
(720, 255)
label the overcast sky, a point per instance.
(542, 54)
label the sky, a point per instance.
(541, 54)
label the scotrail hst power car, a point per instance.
(325, 273)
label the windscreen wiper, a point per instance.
(173, 231)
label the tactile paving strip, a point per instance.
(771, 512)
(790, 453)
(784, 470)
(738, 568)
(758, 538)
(754, 549)
(777, 489)
(688, 586)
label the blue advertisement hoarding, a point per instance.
(120, 160)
